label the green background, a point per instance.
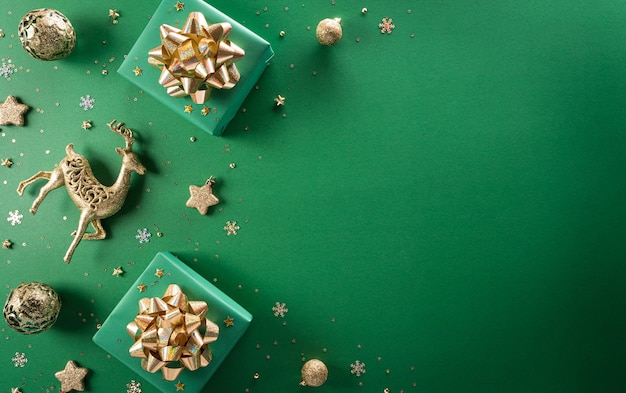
(446, 207)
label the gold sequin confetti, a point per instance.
(12, 112)
(142, 287)
(138, 71)
(71, 377)
(118, 271)
(188, 108)
(202, 197)
(159, 273)
(228, 322)
(279, 100)
(86, 125)
(7, 244)
(179, 6)
(6, 162)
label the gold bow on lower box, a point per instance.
(172, 333)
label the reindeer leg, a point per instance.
(85, 218)
(99, 234)
(32, 179)
(55, 181)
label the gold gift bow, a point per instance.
(167, 330)
(197, 58)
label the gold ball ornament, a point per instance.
(328, 31)
(32, 307)
(46, 34)
(314, 373)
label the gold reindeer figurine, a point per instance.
(94, 200)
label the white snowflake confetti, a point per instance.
(7, 68)
(357, 368)
(15, 217)
(143, 235)
(231, 228)
(86, 102)
(133, 387)
(280, 309)
(386, 25)
(20, 359)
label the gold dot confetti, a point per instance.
(137, 71)
(71, 377)
(118, 271)
(228, 322)
(188, 108)
(12, 112)
(202, 197)
(142, 287)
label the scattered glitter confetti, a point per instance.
(86, 102)
(20, 359)
(229, 322)
(364, 11)
(15, 217)
(205, 111)
(7, 68)
(188, 108)
(279, 100)
(118, 271)
(6, 162)
(12, 112)
(179, 6)
(357, 368)
(282, 33)
(386, 26)
(133, 387)
(232, 165)
(71, 377)
(86, 125)
(159, 273)
(7, 244)
(143, 235)
(138, 71)
(202, 197)
(142, 287)
(180, 386)
(280, 309)
(231, 228)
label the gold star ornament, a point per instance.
(118, 271)
(180, 386)
(179, 6)
(188, 108)
(229, 322)
(142, 287)
(202, 197)
(71, 377)
(159, 273)
(12, 112)
(138, 71)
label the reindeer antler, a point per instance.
(125, 132)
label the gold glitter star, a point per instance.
(6, 244)
(142, 287)
(71, 377)
(202, 197)
(118, 271)
(138, 71)
(188, 108)
(229, 322)
(279, 100)
(179, 6)
(180, 386)
(159, 273)
(114, 14)
(86, 125)
(205, 111)
(231, 228)
(6, 162)
(12, 112)
(16, 390)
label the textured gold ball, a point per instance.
(328, 31)
(314, 373)
(46, 34)
(32, 307)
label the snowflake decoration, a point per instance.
(280, 309)
(7, 68)
(86, 102)
(15, 217)
(357, 368)
(231, 228)
(143, 235)
(20, 359)
(133, 387)
(386, 26)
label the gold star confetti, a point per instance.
(118, 271)
(86, 125)
(6, 244)
(229, 322)
(138, 71)
(12, 112)
(159, 273)
(231, 228)
(71, 377)
(179, 6)
(113, 14)
(142, 287)
(279, 100)
(188, 108)
(180, 386)
(6, 162)
(205, 111)
(16, 390)
(202, 197)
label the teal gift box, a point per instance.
(223, 103)
(114, 339)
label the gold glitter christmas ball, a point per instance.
(328, 31)
(314, 373)
(32, 307)
(46, 34)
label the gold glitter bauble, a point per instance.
(46, 34)
(32, 307)
(328, 31)
(314, 373)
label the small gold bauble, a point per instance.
(328, 31)
(314, 373)
(46, 34)
(32, 307)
